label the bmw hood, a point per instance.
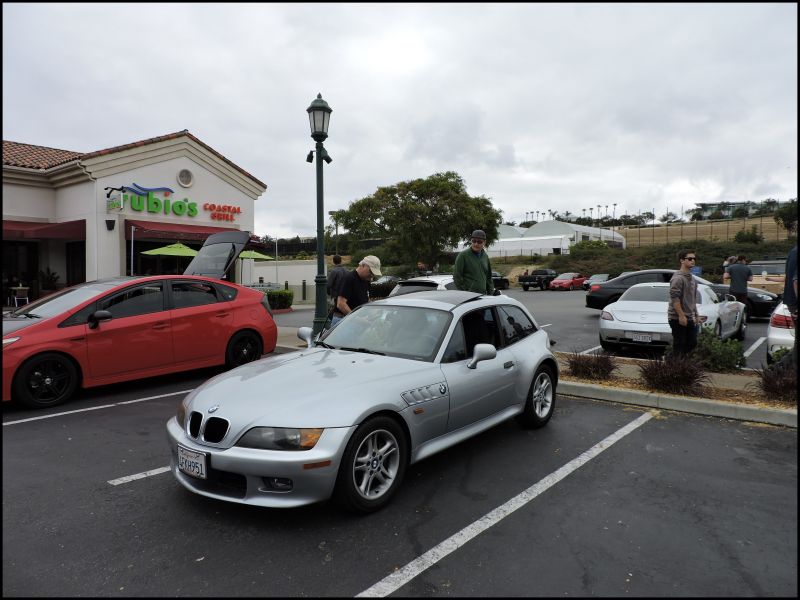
(316, 387)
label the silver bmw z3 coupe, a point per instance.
(396, 381)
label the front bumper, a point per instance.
(242, 474)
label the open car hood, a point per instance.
(218, 254)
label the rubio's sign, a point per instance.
(157, 200)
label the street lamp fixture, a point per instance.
(319, 115)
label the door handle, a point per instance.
(508, 365)
(222, 314)
(161, 325)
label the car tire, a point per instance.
(609, 346)
(749, 309)
(45, 380)
(541, 399)
(524, 288)
(740, 334)
(243, 348)
(571, 287)
(543, 286)
(372, 467)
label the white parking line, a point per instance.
(752, 348)
(548, 325)
(590, 350)
(399, 578)
(80, 410)
(128, 478)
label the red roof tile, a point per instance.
(39, 157)
(35, 157)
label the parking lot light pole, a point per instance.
(319, 114)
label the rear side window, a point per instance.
(139, 300)
(514, 324)
(451, 286)
(186, 294)
(226, 293)
(413, 287)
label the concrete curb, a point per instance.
(699, 406)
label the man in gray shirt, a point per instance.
(738, 274)
(682, 308)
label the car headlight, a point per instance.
(9, 341)
(763, 297)
(606, 316)
(181, 415)
(280, 438)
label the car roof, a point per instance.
(434, 278)
(439, 299)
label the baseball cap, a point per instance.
(374, 264)
(479, 233)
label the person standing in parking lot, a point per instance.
(738, 274)
(682, 308)
(790, 300)
(473, 270)
(354, 288)
(335, 276)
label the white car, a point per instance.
(639, 317)
(423, 284)
(780, 332)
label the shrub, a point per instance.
(780, 353)
(674, 374)
(592, 366)
(279, 299)
(748, 237)
(714, 354)
(778, 381)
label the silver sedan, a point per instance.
(395, 382)
(639, 317)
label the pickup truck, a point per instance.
(540, 278)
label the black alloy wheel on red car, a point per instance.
(45, 380)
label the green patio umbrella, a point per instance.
(176, 249)
(255, 255)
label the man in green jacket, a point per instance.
(473, 271)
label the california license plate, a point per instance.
(642, 337)
(192, 463)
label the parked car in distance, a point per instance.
(403, 378)
(774, 269)
(639, 317)
(383, 286)
(567, 281)
(597, 278)
(385, 279)
(540, 278)
(423, 284)
(499, 282)
(760, 303)
(780, 331)
(127, 328)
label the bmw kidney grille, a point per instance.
(212, 431)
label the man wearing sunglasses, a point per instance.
(473, 271)
(682, 309)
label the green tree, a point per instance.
(422, 218)
(786, 215)
(748, 237)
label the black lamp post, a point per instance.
(319, 115)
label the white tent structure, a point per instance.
(548, 237)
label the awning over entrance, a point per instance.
(169, 231)
(29, 230)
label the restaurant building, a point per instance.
(87, 216)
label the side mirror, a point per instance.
(481, 352)
(306, 334)
(97, 316)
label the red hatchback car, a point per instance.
(568, 281)
(124, 328)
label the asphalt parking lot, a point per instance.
(606, 500)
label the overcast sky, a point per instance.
(537, 106)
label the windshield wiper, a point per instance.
(366, 350)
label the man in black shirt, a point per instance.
(354, 288)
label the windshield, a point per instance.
(403, 331)
(771, 269)
(646, 294)
(567, 276)
(62, 301)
